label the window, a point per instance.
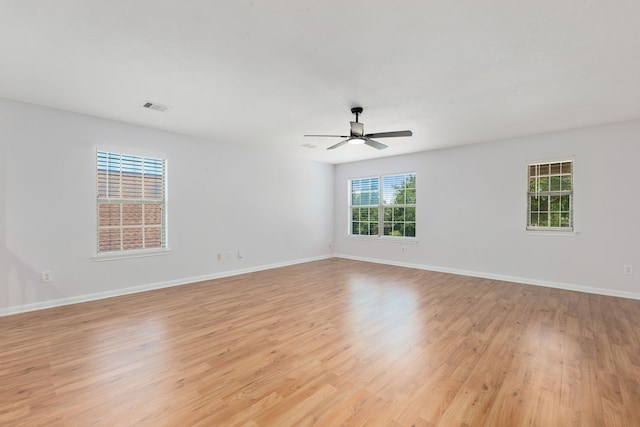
(365, 203)
(550, 196)
(131, 200)
(389, 209)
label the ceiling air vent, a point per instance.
(155, 106)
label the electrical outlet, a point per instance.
(47, 276)
(240, 254)
(628, 270)
(219, 256)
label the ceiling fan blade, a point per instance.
(338, 144)
(330, 136)
(389, 134)
(357, 129)
(375, 144)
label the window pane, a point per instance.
(534, 203)
(555, 183)
(355, 214)
(555, 203)
(543, 203)
(411, 196)
(410, 214)
(153, 237)
(398, 229)
(565, 220)
(374, 229)
(410, 229)
(534, 220)
(108, 214)
(543, 184)
(543, 219)
(153, 187)
(109, 239)
(131, 214)
(388, 228)
(153, 214)
(364, 199)
(388, 214)
(565, 203)
(354, 228)
(410, 181)
(565, 183)
(102, 184)
(554, 219)
(132, 238)
(395, 186)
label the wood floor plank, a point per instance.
(327, 343)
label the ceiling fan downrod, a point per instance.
(356, 111)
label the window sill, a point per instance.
(112, 256)
(388, 239)
(550, 233)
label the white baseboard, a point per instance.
(185, 281)
(483, 275)
(149, 287)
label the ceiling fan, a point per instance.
(357, 135)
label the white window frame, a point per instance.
(379, 208)
(548, 193)
(143, 164)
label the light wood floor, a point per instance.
(327, 343)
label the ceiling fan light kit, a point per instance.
(357, 135)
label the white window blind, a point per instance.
(131, 202)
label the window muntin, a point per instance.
(131, 202)
(389, 210)
(550, 196)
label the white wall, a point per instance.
(222, 198)
(471, 211)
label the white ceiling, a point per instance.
(262, 73)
